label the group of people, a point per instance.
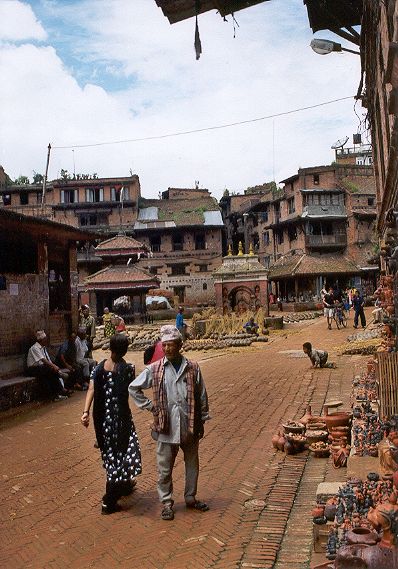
(334, 298)
(68, 371)
(179, 406)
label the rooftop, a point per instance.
(300, 265)
(120, 277)
(179, 213)
(120, 244)
(177, 10)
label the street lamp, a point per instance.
(324, 47)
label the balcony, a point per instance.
(326, 241)
(321, 211)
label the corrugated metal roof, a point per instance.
(154, 224)
(148, 214)
(213, 218)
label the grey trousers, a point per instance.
(86, 364)
(166, 454)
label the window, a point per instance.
(203, 268)
(292, 233)
(117, 192)
(6, 199)
(279, 237)
(69, 196)
(266, 238)
(153, 270)
(290, 205)
(155, 243)
(89, 219)
(200, 241)
(177, 270)
(94, 195)
(204, 286)
(371, 201)
(266, 261)
(316, 179)
(24, 198)
(180, 292)
(264, 216)
(178, 242)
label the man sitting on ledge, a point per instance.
(40, 365)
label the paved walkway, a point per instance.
(52, 478)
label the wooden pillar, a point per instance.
(42, 257)
(296, 289)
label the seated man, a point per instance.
(66, 358)
(251, 327)
(39, 365)
(86, 364)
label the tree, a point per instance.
(22, 181)
(37, 178)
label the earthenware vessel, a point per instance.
(362, 535)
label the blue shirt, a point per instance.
(179, 320)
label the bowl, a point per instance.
(339, 419)
(293, 427)
(316, 436)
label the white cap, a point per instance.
(168, 333)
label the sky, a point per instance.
(82, 72)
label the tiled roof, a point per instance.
(122, 242)
(121, 276)
(240, 265)
(296, 265)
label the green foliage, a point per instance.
(22, 181)
(351, 187)
(37, 178)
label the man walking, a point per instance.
(328, 305)
(180, 407)
(358, 303)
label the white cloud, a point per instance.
(18, 22)
(267, 68)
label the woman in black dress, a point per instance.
(113, 423)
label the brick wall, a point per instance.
(23, 314)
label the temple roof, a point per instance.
(234, 266)
(177, 10)
(121, 277)
(300, 265)
(120, 245)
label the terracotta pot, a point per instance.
(318, 511)
(281, 443)
(330, 512)
(275, 440)
(362, 535)
(365, 557)
(289, 448)
(307, 416)
(341, 418)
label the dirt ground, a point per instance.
(53, 480)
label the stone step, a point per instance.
(17, 390)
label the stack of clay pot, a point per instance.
(291, 440)
(337, 423)
(385, 294)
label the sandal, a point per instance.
(197, 505)
(167, 514)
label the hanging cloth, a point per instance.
(198, 43)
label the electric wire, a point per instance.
(204, 129)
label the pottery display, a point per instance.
(362, 535)
(340, 418)
(293, 427)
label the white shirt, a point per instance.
(36, 354)
(176, 392)
(81, 348)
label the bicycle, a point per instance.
(340, 317)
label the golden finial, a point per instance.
(240, 249)
(251, 251)
(229, 250)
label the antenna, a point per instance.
(340, 143)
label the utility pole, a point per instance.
(43, 196)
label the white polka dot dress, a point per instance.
(120, 466)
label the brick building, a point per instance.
(324, 212)
(38, 284)
(184, 232)
(183, 229)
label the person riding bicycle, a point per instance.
(328, 305)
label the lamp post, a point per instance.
(324, 47)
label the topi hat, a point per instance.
(41, 335)
(168, 333)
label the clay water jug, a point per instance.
(307, 416)
(275, 440)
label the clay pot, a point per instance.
(318, 511)
(281, 443)
(289, 448)
(362, 535)
(363, 556)
(307, 416)
(330, 512)
(341, 418)
(275, 440)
